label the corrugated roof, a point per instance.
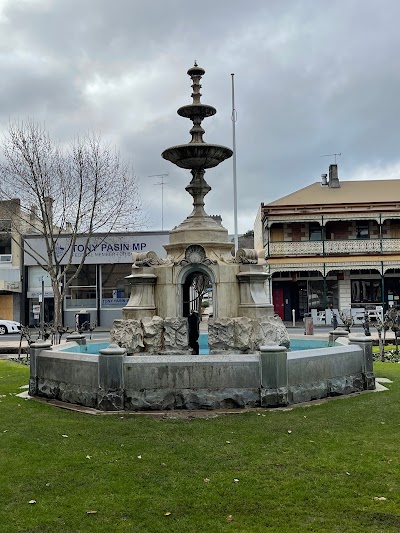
(349, 192)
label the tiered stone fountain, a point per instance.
(243, 317)
(150, 365)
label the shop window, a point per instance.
(366, 291)
(321, 297)
(115, 289)
(315, 231)
(82, 293)
(362, 230)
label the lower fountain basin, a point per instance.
(197, 156)
(112, 381)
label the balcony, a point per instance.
(359, 246)
(336, 247)
(295, 248)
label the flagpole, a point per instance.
(234, 118)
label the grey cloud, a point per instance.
(311, 78)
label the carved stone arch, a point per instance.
(185, 274)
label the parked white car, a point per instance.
(9, 326)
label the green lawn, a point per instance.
(307, 469)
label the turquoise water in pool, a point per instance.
(295, 345)
(88, 348)
(308, 344)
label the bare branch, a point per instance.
(78, 191)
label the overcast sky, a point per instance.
(312, 77)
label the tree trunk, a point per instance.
(58, 301)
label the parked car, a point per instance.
(9, 326)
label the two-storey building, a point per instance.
(333, 244)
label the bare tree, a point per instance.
(78, 191)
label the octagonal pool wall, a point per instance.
(271, 377)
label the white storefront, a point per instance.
(100, 289)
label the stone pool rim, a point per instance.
(113, 381)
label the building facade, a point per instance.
(100, 290)
(10, 260)
(333, 245)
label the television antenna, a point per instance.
(331, 155)
(162, 184)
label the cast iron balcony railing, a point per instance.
(335, 247)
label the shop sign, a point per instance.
(36, 294)
(114, 301)
(113, 249)
(14, 286)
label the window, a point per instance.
(115, 289)
(315, 231)
(366, 291)
(83, 289)
(362, 230)
(5, 245)
(320, 297)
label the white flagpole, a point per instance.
(234, 118)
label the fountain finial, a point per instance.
(196, 74)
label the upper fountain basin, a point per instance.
(196, 110)
(197, 155)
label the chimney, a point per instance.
(324, 180)
(333, 177)
(48, 204)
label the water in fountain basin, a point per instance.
(92, 348)
(295, 345)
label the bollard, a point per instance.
(110, 396)
(335, 334)
(365, 344)
(274, 376)
(34, 351)
(308, 326)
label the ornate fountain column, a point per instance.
(197, 156)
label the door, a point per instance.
(279, 302)
(6, 307)
(276, 232)
(395, 230)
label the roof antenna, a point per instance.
(330, 155)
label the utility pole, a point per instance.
(162, 183)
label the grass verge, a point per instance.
(318, 468)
